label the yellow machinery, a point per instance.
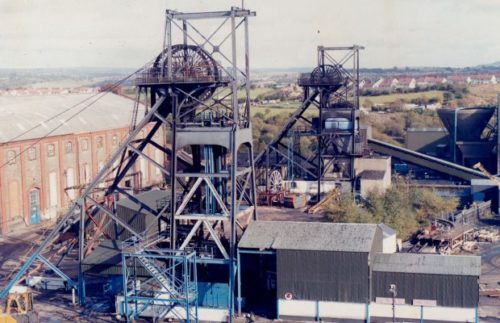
(19, 302)
(483, 170)
(7, 318)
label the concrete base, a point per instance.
(299, 310)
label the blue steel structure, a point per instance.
(198, 90)
(94, 211)
(169, 288)
(206, 77)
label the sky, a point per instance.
(284, 33)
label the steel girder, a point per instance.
(168, 284)
(330, 91)
(92, 211)
(219, 186)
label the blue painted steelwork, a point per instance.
(318, 319)
(76, 212)
(257, 252)
(238, 299)
(238, 258)
(171, 288)
(124, 308)
(214, 295)
(57, 271)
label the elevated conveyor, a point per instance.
(423, 160)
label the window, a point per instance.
(114, 140)
(68, 147)
(100, 142)
(51, 150)
(53, 190)
(34, 196)
(11, 157)
(85, 144)
(32, 153)
(85, 173)
(70, 182)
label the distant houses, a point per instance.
(48, 91)
(425, 81)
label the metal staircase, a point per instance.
(92, 205)
(168, 289)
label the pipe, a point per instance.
(238, 257)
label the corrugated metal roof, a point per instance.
(308, 236)
(107, 252)
(428, 264)
(154, 199)
(20, 113)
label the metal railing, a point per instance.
(156, 76)
(307, 79)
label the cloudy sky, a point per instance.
(285, 33)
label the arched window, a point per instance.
(11, 157)
(51, 150)
(85, 144)
(32, 153)
(69, 147)
(99, 142)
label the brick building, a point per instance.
(33, 184)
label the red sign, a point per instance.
(288, 296)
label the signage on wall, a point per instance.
(388, 300)
(288, 296)
(424, 302)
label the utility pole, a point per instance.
(394, 293)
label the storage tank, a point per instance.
(470, 122)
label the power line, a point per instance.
(102, 94)
(114, 86)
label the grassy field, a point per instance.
(386, 99)
(484, 94)
(272, 110)
(254, 93)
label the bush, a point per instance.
(402, 207)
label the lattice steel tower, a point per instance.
(197, 90)
(207, 104)
(331, 123)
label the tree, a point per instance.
(402, 207)
(345, 210)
